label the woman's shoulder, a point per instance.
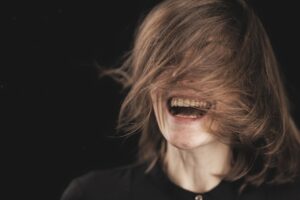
(289, 191)
(104, 183)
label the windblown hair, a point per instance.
(222, 46)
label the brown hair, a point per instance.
(222, 46)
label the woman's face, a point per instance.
(180, 123)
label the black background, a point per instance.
(56, 114)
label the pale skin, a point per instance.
(195, 160)
(195, 170)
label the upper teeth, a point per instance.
(189, 103)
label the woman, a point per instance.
(206, 95)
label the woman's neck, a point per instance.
(198, 170)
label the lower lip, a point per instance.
(185, 119)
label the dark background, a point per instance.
(56, 114)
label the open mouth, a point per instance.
(188, 108)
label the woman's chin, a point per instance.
(187, 136)
(184, 146)
(185, 142)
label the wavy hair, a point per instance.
(223, 47)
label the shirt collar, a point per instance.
(225, 190)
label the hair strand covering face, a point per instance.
(223, 47)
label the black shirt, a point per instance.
(132, 183)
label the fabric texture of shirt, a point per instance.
(132, 183)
